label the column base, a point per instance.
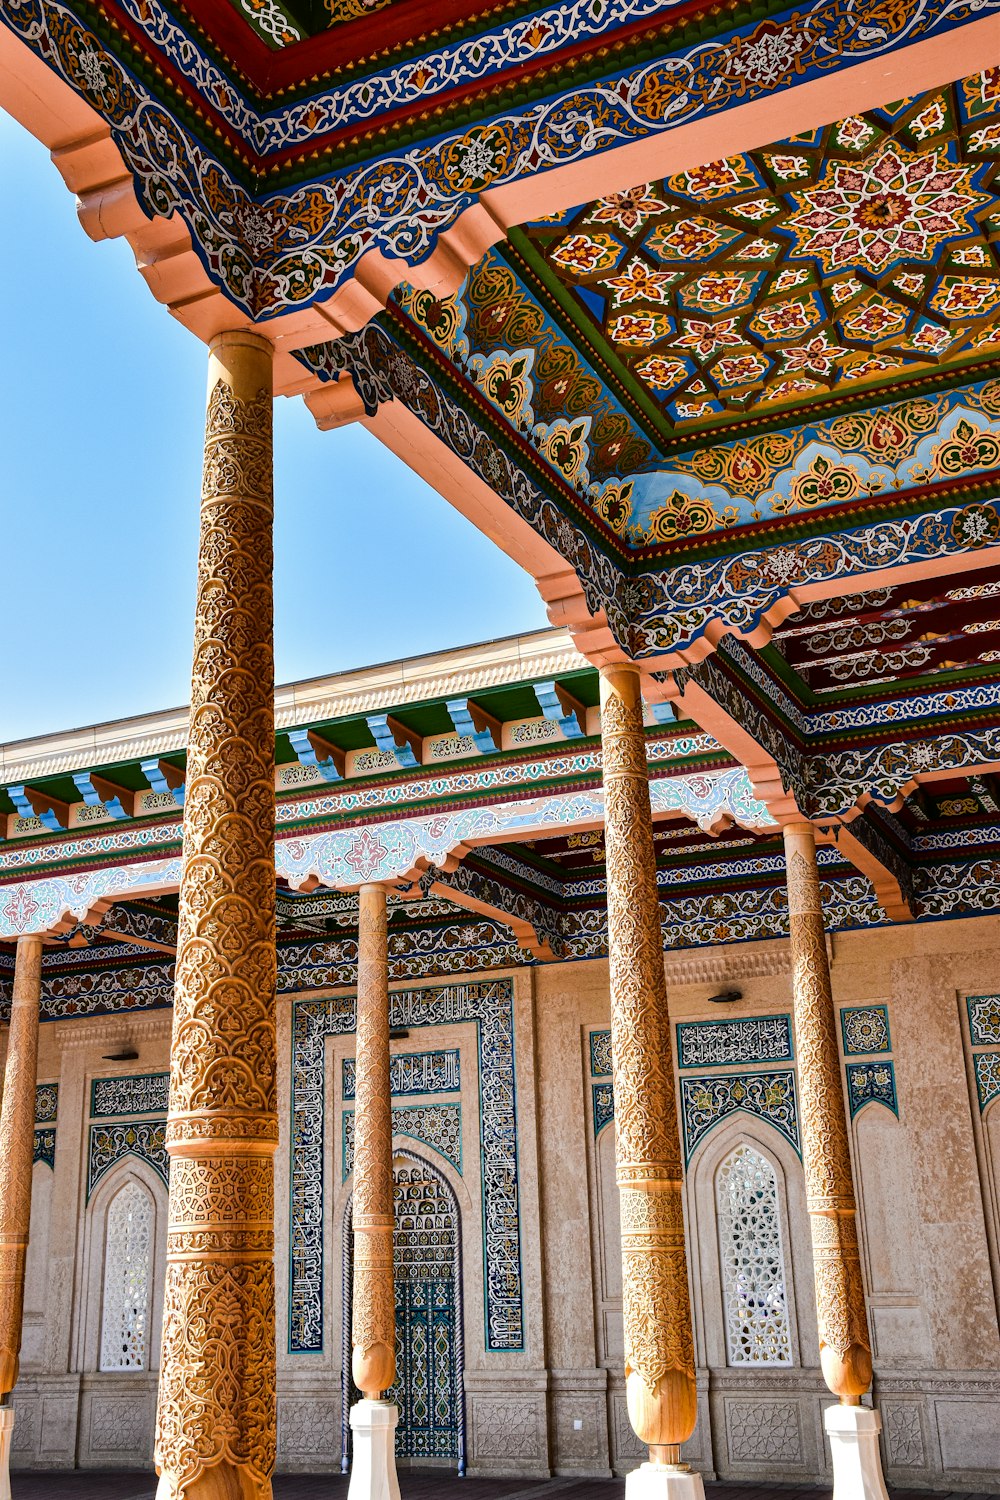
(664, 1482)
(857, 1463)
(6, 1435)
(373, 1465)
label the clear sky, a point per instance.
(101, 418)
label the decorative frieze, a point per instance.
(415, 1073)
(750, 1039)
(134, 1094)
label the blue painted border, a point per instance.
(487, 1003)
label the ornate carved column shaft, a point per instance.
(17, 1149)
(845, 1353)
(373, 1312)
(215, 1434)
(659, 1346)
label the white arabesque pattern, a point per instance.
(753, 1264)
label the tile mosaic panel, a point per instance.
(45, 1148)
(134, 1094)
(869, 1083)
(490, 1005)
(865, 1030)
(984, 1020)
(437, 1125)
(600, 1054)
(603, 1100)
(707, 1101)
(987, 1065)
(109, 1144)
(415, 1073)
(750, 1039)
(46, 1103)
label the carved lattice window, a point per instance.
(128, 1279)
(753, 1262)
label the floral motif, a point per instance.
(586, 254)
(899, 205)
(639, 283)
(695, 238)
(628, 210)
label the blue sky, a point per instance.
(100, 447)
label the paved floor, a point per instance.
(417, 1484)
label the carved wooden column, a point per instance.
(373, 1311)
(844, 1348)
(215, 1434)
(659, 1345)
(17, 1150)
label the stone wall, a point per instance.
(546, 1394)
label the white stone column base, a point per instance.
(6, 1436)
(664, 1482)
(373, 1462)
(857, 1463)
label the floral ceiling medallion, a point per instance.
(896, 207)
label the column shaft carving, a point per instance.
(659, 1346)
(373, 1312)
(215, 1434)
(17, 1149)
(845, 1352)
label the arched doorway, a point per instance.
(430, 1359)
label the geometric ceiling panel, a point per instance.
(858, 255)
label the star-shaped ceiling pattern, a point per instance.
(861, 253)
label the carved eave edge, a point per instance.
(461, 671)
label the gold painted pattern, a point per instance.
(845, 1350)
(17, 1142)
(373, 1313)
(215, 1435)
(659, 1345)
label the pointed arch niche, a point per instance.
(748, 1242)
(124, 1254)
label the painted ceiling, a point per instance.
(861, 253)
(788, 332)
(887, 636)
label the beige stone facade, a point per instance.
(929, 1209)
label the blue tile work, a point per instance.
(984, 1020)
(604, 1105)
(46, 1103)
(134, 1094)
(45, 1148)
(110, 1143)
(749, 1039)
(489, 1004)
(987, 1077)
(437, 1125)
(600, 1054)
(865, 1030)
(415, 1073)
(872, 1083)
(706, 1101)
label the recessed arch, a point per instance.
(427, 1267)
